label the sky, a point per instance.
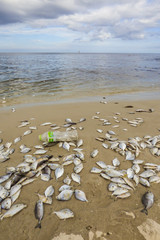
(80, 26)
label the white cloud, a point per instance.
(82, 20)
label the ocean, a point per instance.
(53, 76)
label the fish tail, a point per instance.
(38, 225)
(145, 211)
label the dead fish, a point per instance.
(6, 204)
(80, 195)
(64, 213)
(17, 140)
(105, 145)
(79, 143)
(64, 187)
(94, 153)
(122, 146)
(65, 195)
(119, 191)
(49, 191)
(76, 177)
(27, 132)
(96, 170)
(115, 162)
(40, 151)
(44, 199)
(144, 182)
(78, 168)
(82, 119)
(124, 195)
(112, 187)
(25, 150)
(147, 200)
(15, 189)
(67, 180)
(13, 210)
(5, 177)
(66, 146)
(39, 211)
(59, 172)
(147, 173)
(46, 124)
(3, 192)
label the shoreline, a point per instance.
(102, 213)
(108, 97)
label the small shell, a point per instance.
(64, 213)
(80, 195)
(94, 153)
(65, 195)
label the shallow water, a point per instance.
(52, 76)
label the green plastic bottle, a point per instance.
(58, 136)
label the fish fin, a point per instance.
(38, 225)
(145, 211)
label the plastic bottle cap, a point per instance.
(40, 137)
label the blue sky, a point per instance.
(80, 25)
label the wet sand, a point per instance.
(103, 216)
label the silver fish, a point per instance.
(15, 189)
(79, 143)
(49, 191)
(40, 151)
(65, 195)
(80, 195)
(6, 204)
(119, 191)
(67, 180)
(13, 210)
(124, 195)
(112, 187)
(78, 168)
(64, 213)
(39, 212)
(76, 177)
(96, 170)
(17, 140)
(5, 177)
(27, 132)
(147, 173)
(59, 172)
(66, 146)
(64, 187)
(144, 182)
(147, 200)
(115, 162)
(3, 193)
(94, 153)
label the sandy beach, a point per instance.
(103, 216)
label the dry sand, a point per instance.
(102, 217)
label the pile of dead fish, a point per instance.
(124, 181)
(33, 167)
